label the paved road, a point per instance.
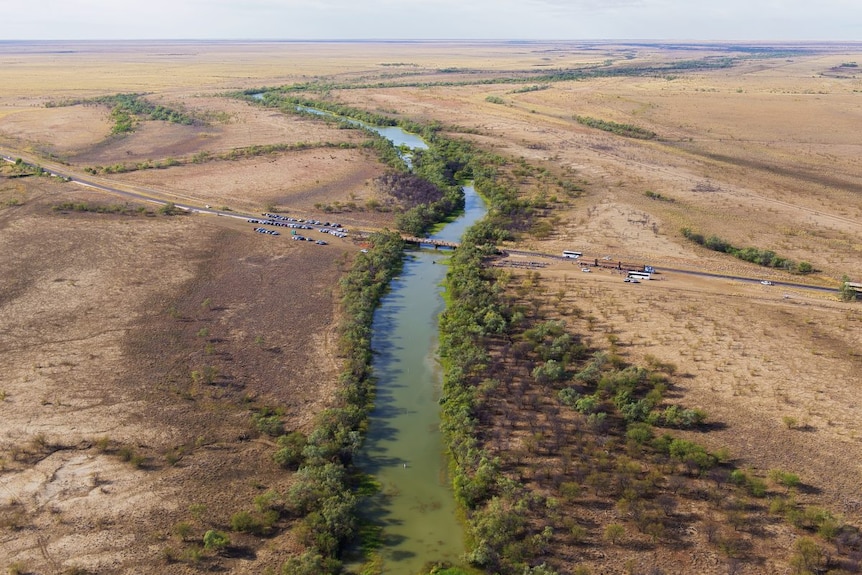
(129, 191)
(153, 197)
(586, 262)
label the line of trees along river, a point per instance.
(413, 518)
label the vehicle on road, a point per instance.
(571, 255)
(766, 282)
(639, 275)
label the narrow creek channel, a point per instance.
(404, 448)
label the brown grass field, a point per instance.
(108, 442)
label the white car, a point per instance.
(585, 270)
(766, 282)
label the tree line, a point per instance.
(766, 258)
(127, 109)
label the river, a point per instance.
(404, 448)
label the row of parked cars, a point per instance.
(277, 220)
(301, 221)
(281, 224)
(307, 239)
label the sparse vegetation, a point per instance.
(122, 209)
(766, 258)
(627, 130)
(128, 109)
(572, 405)
(656, 196)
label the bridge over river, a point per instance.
(430, 242)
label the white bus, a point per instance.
(571, 254)
(639, 275)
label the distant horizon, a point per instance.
(632, 41)
(444, 20)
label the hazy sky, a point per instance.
(433, 19)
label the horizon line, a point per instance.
(438, 40)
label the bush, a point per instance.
(808, 557)
(244, 522)
(268, 422)
(311, 563)
(787, 479)
(640, 433)
(290, 447)
(549, 372)
(215, 540)
(692, 454)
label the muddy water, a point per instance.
(404, 449)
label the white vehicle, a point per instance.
(571, 254)
(585, 270)
(766, 282)
(639, 275)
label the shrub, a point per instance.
(639, 433)
(182, 530)
(549, 372)
(692, 454)
(787, 479)
(311, 563)
(215, 540)
(268, 423)
(756, 487)
(614, 532)
(169, 209)
(845, 292)
(808, 557)
(290, 448)
(243, 521)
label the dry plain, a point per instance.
(105, 316)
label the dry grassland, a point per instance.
(101, 316)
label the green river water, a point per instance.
(404, 448)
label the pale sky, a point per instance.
(734, 20)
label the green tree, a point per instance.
(808, 557)
(215, 540)
(614, 532)
(290, 447)
(549, 372)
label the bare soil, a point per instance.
(104, 322)
(105, 317)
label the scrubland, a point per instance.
(141, 351)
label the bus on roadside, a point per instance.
(639, 275)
